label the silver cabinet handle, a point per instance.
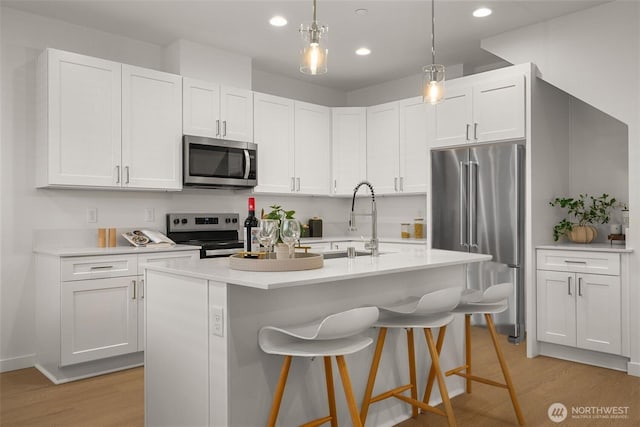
(462, 197)
(569, 285)
(395, 184)
(293, 184)
(466, 133)
(141, 289)
(580, 286)
(218, 127)
(133, 282)
(401, 183)
(126, 169)
(335, 185)
(568, 261)
(101, 267)
(298, 184)
(224, 128)
(118, 174)
(475, 131)
(473, 202)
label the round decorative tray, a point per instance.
(302, 261)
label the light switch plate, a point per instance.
(92, 215)
(217, 321)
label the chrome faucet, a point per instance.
(372, 244)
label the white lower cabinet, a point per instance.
(98, 319)
(90, 309)
(579, 309)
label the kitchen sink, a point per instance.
(343, 254)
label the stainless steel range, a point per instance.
(216, 233)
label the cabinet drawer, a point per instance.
(166, 256)
(579, 262)
(98, 267)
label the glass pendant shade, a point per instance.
(314, 51)
(433, 83)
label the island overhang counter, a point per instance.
(203, 365)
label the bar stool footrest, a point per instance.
(481, 380)
(317, 422)
(391, 393)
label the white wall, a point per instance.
(288, 87)
(594, 55)
(208, 63)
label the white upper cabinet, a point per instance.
(79, 120)
(397, 146)
(454, 116)
(200, 108)
(107, 125)
(312, 148)
(498, 110)
(217, 111)
(349, 149)
(487, 111)
(383, 147)
(274, 134)
(414, 151)
(151, 128)
(293, 146)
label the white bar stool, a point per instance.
(335, 335)
(432, 310)
(492, 301)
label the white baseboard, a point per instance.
(633, 368)
(16, 363)
(603, 360)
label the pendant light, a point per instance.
(313, 54)
(433, 75)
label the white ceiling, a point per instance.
(396, 31)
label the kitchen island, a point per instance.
(203, 365)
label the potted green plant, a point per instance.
(583, 211)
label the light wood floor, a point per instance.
(27, 398)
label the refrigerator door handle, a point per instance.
(473, 208)
(461, 211)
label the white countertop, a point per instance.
(592, 247)
(217, 269)
(118, 250)
(309, 240)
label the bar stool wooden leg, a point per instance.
(435, 361)
(328, 373)
(505, 370)
(366, 401)
(467, 350)
(412, 371)
(348, 391)
(277, 397)
(432, 373)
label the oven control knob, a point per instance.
(184, 220)
(227, 220)
(235, 220)
(176, 221)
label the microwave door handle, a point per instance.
(247, 163)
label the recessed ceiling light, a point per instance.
(481, 12)
(361, 11)
(278, 21)
(363, 51)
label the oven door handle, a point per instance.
(247, 164)
(221, 252)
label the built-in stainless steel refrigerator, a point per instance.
(477, 206)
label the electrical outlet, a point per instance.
(217, 321)
(149, 215)
(92, 215)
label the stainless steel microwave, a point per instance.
(209, 162)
